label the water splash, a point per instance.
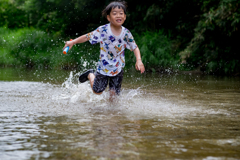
(79, 92)
(131, 101)
(72, 97)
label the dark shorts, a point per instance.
(101, 82)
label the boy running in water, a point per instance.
(113, 39)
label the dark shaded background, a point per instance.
(197, 35)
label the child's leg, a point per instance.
(91, 78)
(115, 84)
(112, 95)
(98, 82)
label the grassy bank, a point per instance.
(33, 48)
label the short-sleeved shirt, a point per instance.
(112, 57)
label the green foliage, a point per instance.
(5, 57)
(157, 51)
(214, 48)
(51, 16)
(11, 16)
(205, 31)
(33, 48)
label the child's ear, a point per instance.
(108, 18)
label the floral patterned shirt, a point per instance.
(112, 57)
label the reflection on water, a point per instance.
(49, 115)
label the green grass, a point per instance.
(33, 48)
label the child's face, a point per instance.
(117, 16)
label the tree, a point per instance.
(214, 48)
(12, 16)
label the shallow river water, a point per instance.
(47, 114)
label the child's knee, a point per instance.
(97, 90)
(98, 93)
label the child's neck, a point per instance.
(116, 30)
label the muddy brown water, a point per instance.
(47, 114)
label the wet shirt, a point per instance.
(112, 57)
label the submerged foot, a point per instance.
(84, 77)
(112, 96)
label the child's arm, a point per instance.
(139, 65)
(80, 39)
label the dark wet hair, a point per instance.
(114, 4)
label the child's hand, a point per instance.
(139, 66)
(68, 43)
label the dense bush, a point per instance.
(203, 32)
(214, 47)
(157, 51)
(33, 48)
